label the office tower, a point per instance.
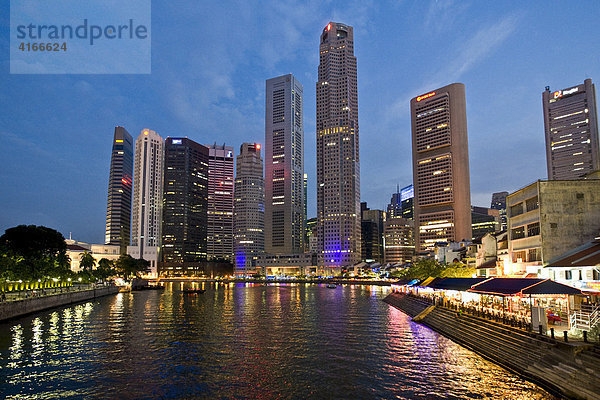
(571, 125)
(499, 203)
(185, 206)
(220, 203)
(407, 201)
(118, 208)
(147, 198)
(484, 220)
(338, 163)
(248, 209)
(284, 166)
(399, 244)
(441, 167)
(394, 208)
(305, 199)
(371, 233)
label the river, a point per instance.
(245, 341)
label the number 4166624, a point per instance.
(43, 46)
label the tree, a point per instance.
(105, 269)
(87, 261)
(33, 252)
(128, 266)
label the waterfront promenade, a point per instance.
(570, 369)
(21, 303)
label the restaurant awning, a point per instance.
(460, 284)
(427, 282)
(517, 286)
(550, 287)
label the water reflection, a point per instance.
(243, 341)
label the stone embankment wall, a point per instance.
(13, 309)
(566, 369)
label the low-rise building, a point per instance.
(548, 218)
(99, 251)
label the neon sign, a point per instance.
(423, 97)
(561, 93)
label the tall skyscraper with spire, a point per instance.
(118, 208)
(248, 209)
(147, 198)
(284, 166)
(338, 162)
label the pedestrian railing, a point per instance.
(586, 317)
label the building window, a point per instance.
(518, 256)
(568, 275)
(532, 203)
(517, 209)
(518, 233)
(534, 255)
(533, 229)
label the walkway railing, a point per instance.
(586, 317)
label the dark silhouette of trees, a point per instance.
(33, 252)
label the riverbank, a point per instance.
(571, 370)
(19, 308)
(338, 281)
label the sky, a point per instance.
(210, 61)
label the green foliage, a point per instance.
(87, 261)
(128, 266)
(458, 270)
(30, 252)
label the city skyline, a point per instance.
(69, 143)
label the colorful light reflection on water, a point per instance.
(243, 341)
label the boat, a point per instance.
(193, 291)
(331, 286)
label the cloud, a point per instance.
(467, 55)
(442, 14)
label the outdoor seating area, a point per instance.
(512, 301)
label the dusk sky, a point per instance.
(209, 66)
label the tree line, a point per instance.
(30, 252)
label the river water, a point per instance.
(242, 341)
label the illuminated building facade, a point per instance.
(571, 124)
(338, 163)
(147, 198)
(185, 206)
(118, 208)
(220, 203)
(440, 151)
(371, 233)
(484, 220)
(248, 209)
(499, 203)
(284, 166)
(399, 244)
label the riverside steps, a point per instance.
(19, 308)
(571, 370)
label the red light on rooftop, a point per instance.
(258, 146)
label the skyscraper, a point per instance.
(338, 163)
(499, 203)
(147, 198)
(441, 166)
(284, 166)
(118, 208)
(220, 202)
(185, 205)
(371, 233)
(571, 125)
(248, 209)
(399, 244)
